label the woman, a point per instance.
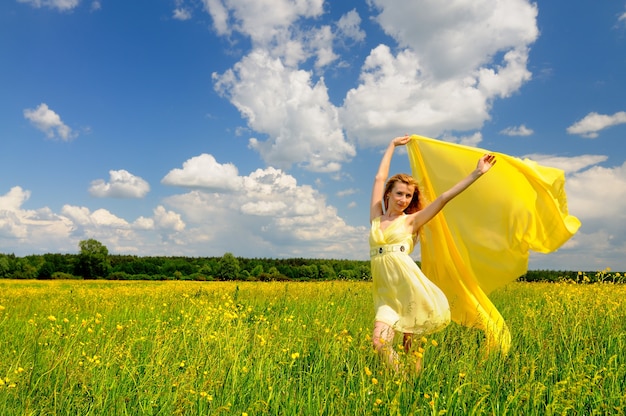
(405, 300)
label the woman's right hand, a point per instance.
(401, 141)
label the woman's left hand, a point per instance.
(485, 163)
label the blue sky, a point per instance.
(200, 127)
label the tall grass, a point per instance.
(98, 347)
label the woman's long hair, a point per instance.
(415, 204)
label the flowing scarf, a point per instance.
(481, 240)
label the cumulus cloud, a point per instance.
(454, 39)
(349, 27)
(38, 228)
(295, 113)
(168, 220)
(31, 231)
(467, 140)
(122, 184)
(253, 19)
(596, 196)
(419, 88)
(521, 130)
(271, 216)
(181, 14)
(49, 122)
(593, 122)
(599, 193)
(205, 172)
(62, 5)
(408, 86)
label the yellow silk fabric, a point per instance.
(481, 239)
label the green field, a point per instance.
(237, 348)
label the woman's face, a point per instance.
(400, 197)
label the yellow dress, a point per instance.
(404, 297)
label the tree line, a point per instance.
(94, 262)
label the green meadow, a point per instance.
(297, 348)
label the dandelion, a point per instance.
(426, 396)
(374, 380)
(378, 402)
(52, 318)
(434, 343)
(368, 372)
(295, 355)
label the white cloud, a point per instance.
(204, 172)
(36, 229)
(454, 39)
(347, 192)
(272, 216)
(597, 196)
(593, 122)
(416, 89)
(49, 122)
(393, 97)
(301, 124)
(181, 14)
(599, 193)
(521, 130)
(467, 140)
(168, 220)
(31, 231)
(264, 21)
(453, 61)
(349, 27)
(62, 5)
(123, 184)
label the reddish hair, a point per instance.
(414, 205)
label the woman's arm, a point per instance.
(376, 205)
(423, 216)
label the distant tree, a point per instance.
(258, 269)
(93, 260)
(308, 272)
(327, 272)
(46, 270)
(228, 267)
(5, 266)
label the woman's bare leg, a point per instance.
(382, 341)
